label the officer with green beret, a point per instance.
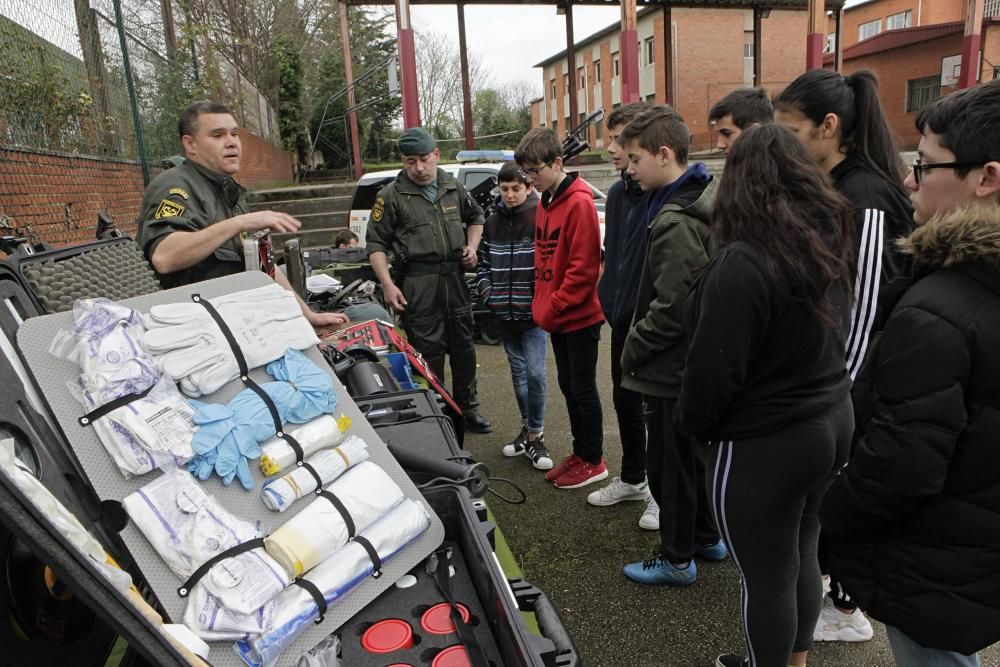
(194, 216)
(429, 222)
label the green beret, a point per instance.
(416, 141)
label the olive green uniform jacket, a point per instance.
(438, 315)
(191, 197)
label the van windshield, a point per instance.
(365, 193)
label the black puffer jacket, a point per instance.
(914, 520)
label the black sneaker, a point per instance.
(730, 660)
(516, 446)
(476, 423)
(540, 457)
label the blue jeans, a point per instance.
(911, 654)
(526, 354)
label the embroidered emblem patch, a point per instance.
(179, 192)
(168, 209)
(378, 209)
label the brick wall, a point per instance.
(930, 13)
(56, 197)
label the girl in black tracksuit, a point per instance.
(765, 384)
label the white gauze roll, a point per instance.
(279, 494)
(335, 577)
(320, 433)
(311, 536)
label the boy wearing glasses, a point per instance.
(567, 264)
(914, 521)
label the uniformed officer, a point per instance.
(193, 216)
(430, 223)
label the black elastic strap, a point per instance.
(315, 475)
(247, 380)
(442, 577)
(233, 345)
(345, 515)
(317, 596)
(186, 587)
(372, 554)
(121, 402)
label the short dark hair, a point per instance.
(188, 123)
(659, 125)
(624, 114)
(967, 122)
(344, 236)
(539, 146)
(746, 105)
(511, 172)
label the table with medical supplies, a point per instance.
(270, 515)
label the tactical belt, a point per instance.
(431, 268)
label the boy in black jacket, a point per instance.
(505, 277)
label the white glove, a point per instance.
(190, 347)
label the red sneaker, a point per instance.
(567, 463)
(582, 474)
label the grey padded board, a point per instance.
(34, 338)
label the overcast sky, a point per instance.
(511, 39)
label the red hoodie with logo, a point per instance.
(567, 259)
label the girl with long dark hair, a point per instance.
(765, 383)
(840, 120)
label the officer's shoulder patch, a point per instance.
(169, 209)
(179, 192)
(378, 209)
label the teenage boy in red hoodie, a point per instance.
(567, 265)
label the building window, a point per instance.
(996, 72)
(921, 92)
(900, 20)
(748, 44)
(616, 65)
(582, 72)
(649, 51)
(651, 97)
(831, 41)
(992, 9)
(597, 70)
(870, 29)
(568, 126)
(555, 126)
(552, 84)
(565, 84)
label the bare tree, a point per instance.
(439, 81)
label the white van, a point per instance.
(479, 178)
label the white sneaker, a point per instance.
(650, 519)
(618, 491)
(836, 626)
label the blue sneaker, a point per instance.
(657, 572)
(713, 552)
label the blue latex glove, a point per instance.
(230, 435)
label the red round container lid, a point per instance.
(453, 656)
(386, 636)
(437, 619)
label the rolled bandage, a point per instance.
(329, 464)
(335, 577)
(320, 433)
(364, 493)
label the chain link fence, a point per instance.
(90, 93)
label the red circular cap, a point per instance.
(453, 656)
(437, 619)
(399, 664)
(386, 636)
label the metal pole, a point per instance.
(816, 37)
(668, 55)
(140, 137)
(574, 103)
(354, 138)
(971, 43)
(838, 40)
(407, 65)
(628, 50)
(470, 141)
(758, 46)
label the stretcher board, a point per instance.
(52, 374)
